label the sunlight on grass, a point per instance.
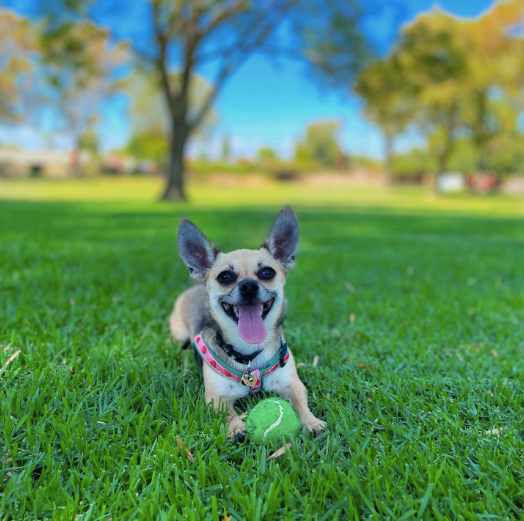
(414, 312)
(147, 190)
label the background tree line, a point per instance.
(454, 83)
(458, 83)
(79, 62)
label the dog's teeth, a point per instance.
(235, 309)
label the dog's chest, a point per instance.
(277, 380)
(234, 390)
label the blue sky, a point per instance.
(268, 102)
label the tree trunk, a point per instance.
(442, 162)
(75, 159)
(175, 186)
(388, 167)
(447, 147)
(481, 157)
(480, 132)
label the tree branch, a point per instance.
(220, 80)
(161, 61)
(191, 40)
(223, 16)
(238, 55)
(269, 49)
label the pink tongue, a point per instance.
(250, 324)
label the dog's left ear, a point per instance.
(282, 240)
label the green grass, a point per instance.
(143, 189)
(416, 314)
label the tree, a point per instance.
(266, 157)
(329, 32)
(81, 67)
(495, 74)
(149, 122)
(418, 84)
(446, 78)
(17, 49)
(218, 36)
(90, 141)
(196, 32)
(147, 111)
(320, 146)
(463, 158)
(434, 64)
(389, 101)
(415, 163)
(225, 152)
(506, 154)
(149, 144)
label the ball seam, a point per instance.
(278, 422)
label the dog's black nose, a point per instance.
(248, 288)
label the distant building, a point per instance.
(49, 163)
(116, 163)
(513, 185)
(451, 182)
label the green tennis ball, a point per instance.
(270, 420)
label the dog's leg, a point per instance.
(224, 393)
(297, 396)
(286, 383)
(291, 388)
(236, 427)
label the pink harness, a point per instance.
(279, 360)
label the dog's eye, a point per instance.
(226, 277)
(266, 273)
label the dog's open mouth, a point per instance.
(250, 319)
(232, 311)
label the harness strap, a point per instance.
(222, 368)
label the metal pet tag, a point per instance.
(249, 378)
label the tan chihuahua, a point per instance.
(234, 318)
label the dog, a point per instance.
(234, 317)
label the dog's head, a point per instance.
(245, 287)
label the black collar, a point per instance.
(234, 354)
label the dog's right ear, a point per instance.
(197, 251)
(282, 241)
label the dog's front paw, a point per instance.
(237, 429)
(314, 424)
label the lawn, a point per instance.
(414, 306)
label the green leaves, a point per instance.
(17, 45)
(445, 80)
